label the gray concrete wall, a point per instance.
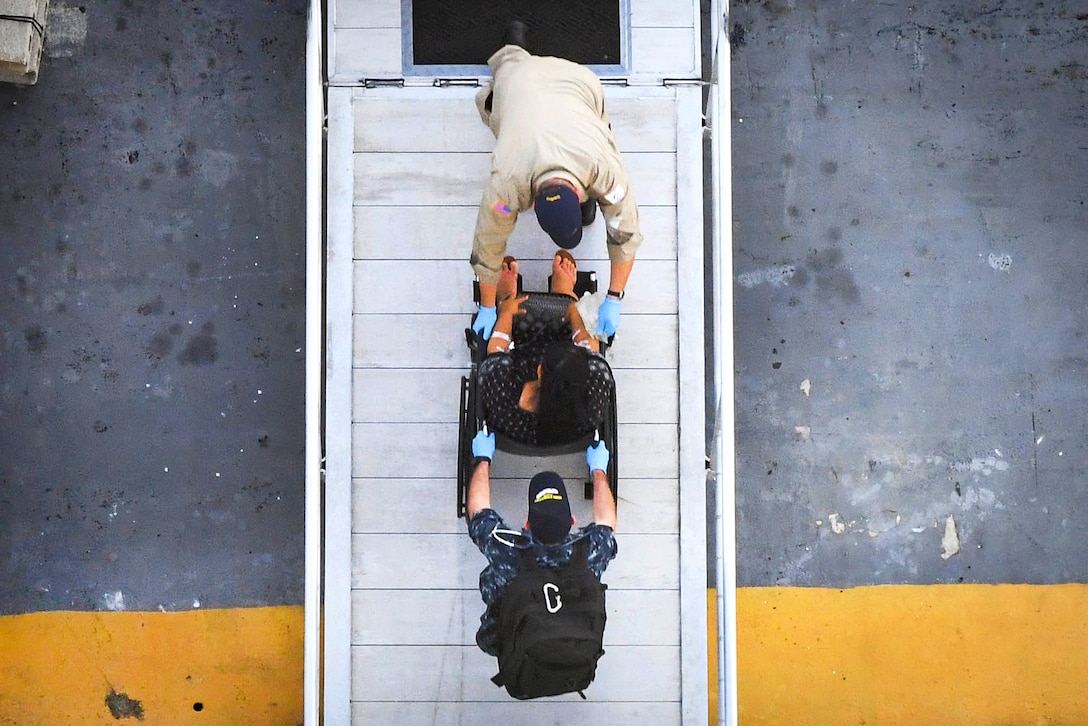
(909, 200)
(151, 329)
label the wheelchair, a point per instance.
(543, 320)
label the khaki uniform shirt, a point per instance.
(549, 120)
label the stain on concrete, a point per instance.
(737, 37)
(159, 346)
(35, 339)
(153, 307)
(121, 706)
(833, 278)
(202, 349)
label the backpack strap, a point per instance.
(526, 559)
(579, 554)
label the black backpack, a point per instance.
(550, 627)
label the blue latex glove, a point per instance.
(485, 321)
(608, 317)
(597, 457)
(483, 445)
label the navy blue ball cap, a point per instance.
(560, 215)
(549, 509)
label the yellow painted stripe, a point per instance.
(914, 654)
(712, 653)
(242, 666)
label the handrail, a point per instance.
(724, 431)
(315, 117)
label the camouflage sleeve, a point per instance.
(482, 525)
(602, 547)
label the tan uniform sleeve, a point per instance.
(620, 212)
(481, 101)
(494, 224)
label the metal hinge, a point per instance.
(448, 82)
(383, 82)
(683, 82)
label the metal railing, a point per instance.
(723, 461)
(315, 292)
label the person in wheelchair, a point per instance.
(551, 385)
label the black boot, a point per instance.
(515, 33)
(589, 212)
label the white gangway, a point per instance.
(405, 161)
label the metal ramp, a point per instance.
(406, 163)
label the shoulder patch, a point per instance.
(501, 208)
(616, 195)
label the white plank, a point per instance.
(435, 123)
(415, 617)
(420, 179)
(422, 286)
(641, 123)
(647, 395)
(440, 233)
(463, 673)
(407, 395)
(367, 13)
(411, 341)
(648, 450)
(429, 451)
(446, 120)
(657, 14)
(545, 712)
(406, 561)
(394, 505)
(359, 53)
(664, 52)
(646, 506)
(442, 178)
(451, 617)
(438, 341)
(451, 561)
(401, 451)
(644, 341)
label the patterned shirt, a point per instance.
(500, 545)
(502, 377)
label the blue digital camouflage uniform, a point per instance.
(500, 546)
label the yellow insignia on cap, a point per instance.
(550, 493)
(552, 198)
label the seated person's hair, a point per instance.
(562, 402)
